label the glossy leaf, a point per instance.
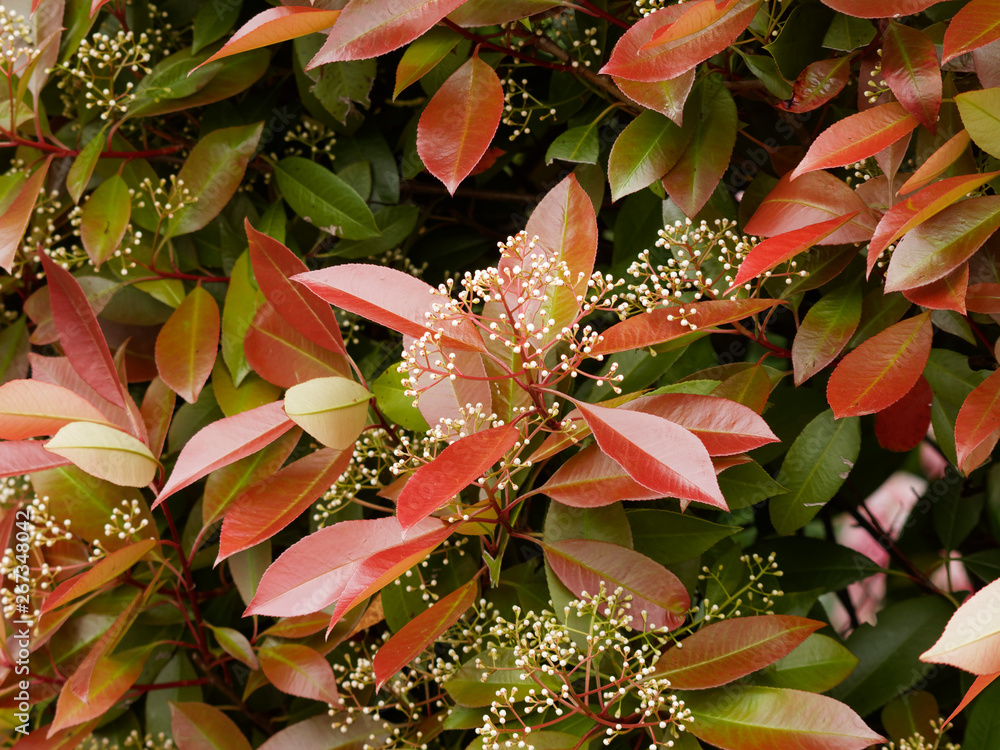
(462, 463)
(105, 452)
(658, 598)
(664, 46)
(478, 680)
(276, 25)
(656, 453)
(324, 199)
(30, 408)
(319, 569)
(975, 25)
(947, 293)
(727, 650)
(882, 369)
(274, 265)
(388, 297)
(332, 410)
(488, 13)
(903, 425)
(937, 163)
(283, 356)
(911, 70)
(225, 441)
(270, 504)
(107, 569)
(157, 410)
(817, 665)
(668, 323)
(814, 468)
(970, 637)
(879, 8)
(977, 426)
(112, 678)
(857, 137)
(591, 479)
(212, 174)
(980, 111)
(422, 631)
(187, 344)
(666, 97)
(459, 122)
(643, 153)
(695, 175)
(783, 247)
(725, 427)
(239, 307)
(14, 220)
(820, 82)
(772, 717)
(983, 298)
(669, 537)
(83, 166)
(369, 28)
(198, 726)
(422, 56)
(825, 331)
(105, 218)
(813, 198)
(299, 670)
(234, 643)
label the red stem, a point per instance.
(592, 10)
(16, 140)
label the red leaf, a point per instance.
(14, 220)
(812, 198)
(275, 25)
(225, 441)
(299, 670)
(283, 356)
(566, 227)
(188, 343)
(857, 137)
(975, 25)
(198, 726)
(317, 570)
(670, 42)
(107, 569)
(750, 387)
(112, 678)
(919, 207)
(978, 685)
(459, 122)
(416, 635)
(268, 506)
(658, 598)
(725, 427)
(456, 467)
(727, 650)
(825, 331)
(370, 28)
(783, 247)
(983, 298)
(879, 8)
(592, 479)
(80, 335)
(818, 84)
(274, 265)
(978, 421)
(390, 298)
(656, 453)
(936, 164)
(31, 408)
(666, 97)
(942, 243)
(26, 456)
(911, 69)
(668, 323)
(157, 410)
(903, 425)
(881, 370)
(944, 294)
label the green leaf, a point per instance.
(980, 111)
(808, 564)
(889, 652)
(325, 200)
(825, 331)
(423, 55)
(213, 21)
(395, 404)
(341, 85)
(468, 688)
(814, 469)
(746, 484)
(578, 145)
(14, 348)
(848, 33)
(818, 665)
(173, 78)
(396, 223)
(254, 391)
(198, 725)
(669, 537)
(766, 70)
(239, 309)
(83, 165)
(644, 152)
(211, 174)
(105, 218)
(952, 380)
(359, 176)
(955, 516)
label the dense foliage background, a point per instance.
(655, 406)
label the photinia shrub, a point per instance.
(467, 374)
